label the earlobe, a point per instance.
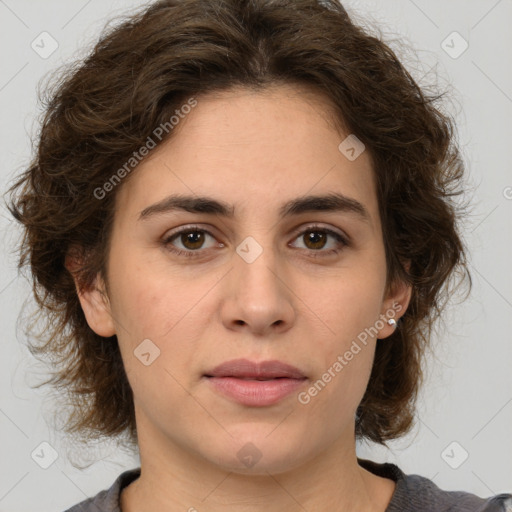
(94, 299)
(394, 307)
(96, 308)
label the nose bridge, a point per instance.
(255, 264)
(258, 296)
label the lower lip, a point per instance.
(256, 393)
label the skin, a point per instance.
(256, 151)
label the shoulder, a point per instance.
(107, 500)
(415, 493)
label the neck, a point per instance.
(179, 479)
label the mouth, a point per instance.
(255, 384)
(248, 370)
(250, 378)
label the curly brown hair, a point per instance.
(104, 108)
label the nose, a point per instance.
(257, 294)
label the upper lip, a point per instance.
(244, 368)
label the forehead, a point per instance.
(253, 148)
(252, 117)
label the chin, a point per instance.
(258, 453)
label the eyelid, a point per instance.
(185, 229)
(319, 226)
(295, 233)
(341, 238)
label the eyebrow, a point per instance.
(333, 202)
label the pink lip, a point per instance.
(265, 370)
(242, 381)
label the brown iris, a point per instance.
(194, 238)
(317, 238)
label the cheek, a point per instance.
(168, 309)
(149, 300)
(155, 322)
(351, 308)
(351, 304)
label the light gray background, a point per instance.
(467, 398)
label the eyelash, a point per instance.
(166, 242)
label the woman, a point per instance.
(241, 229)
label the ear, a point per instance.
(94, 299)
(395, 305)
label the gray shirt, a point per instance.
(413, 493)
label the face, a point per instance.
(303, 285)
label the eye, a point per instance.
(316, 238)
(191, 239)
